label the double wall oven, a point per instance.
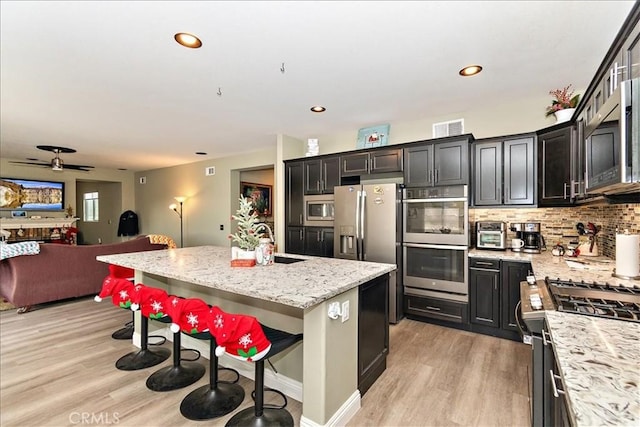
(436, 242)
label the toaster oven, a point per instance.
(491, 235)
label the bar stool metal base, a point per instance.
(205, 402)
(125, 333)
(175, 377)
(270, 417)
(142, 359)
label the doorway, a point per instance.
(100, 214)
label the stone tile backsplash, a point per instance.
(559, 224)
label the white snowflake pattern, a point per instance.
(192, 319)
(156, 305)
(219, 321)
(174, 301)
(124, 294)
(245, 340)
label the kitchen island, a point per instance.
(323, 372)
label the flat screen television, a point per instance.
(31, 194)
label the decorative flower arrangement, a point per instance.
(563, 99)
(250, 229)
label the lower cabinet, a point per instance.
(373, 331)
(294, 243)
(318, 241)
(494, 293)
(436, 308)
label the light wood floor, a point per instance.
(57, 366)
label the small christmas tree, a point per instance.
(249, 229)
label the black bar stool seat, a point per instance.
(259, 415)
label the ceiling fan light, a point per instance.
(57, 164)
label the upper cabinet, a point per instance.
(321, 175)
(504, 171)
(293, 183)
(376, 161)
(558, 164)
(437, 163)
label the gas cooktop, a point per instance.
(594, 299)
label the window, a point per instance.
(91, 211)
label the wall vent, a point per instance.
(211, 170)
(451, 128)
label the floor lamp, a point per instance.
(174, 207)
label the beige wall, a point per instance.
(211, 199)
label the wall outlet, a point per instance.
(345, 311)
(143, 180)
(221, 227)
(210, 171)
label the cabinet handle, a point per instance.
(318, 185)
(556, 391)
(564, 190)
(300, 218)
(484, 263)
(429, 176)
(318, 237)
(301, 234)
(437, 177)
(433, 308)
(495, 286)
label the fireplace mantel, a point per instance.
(17, 223)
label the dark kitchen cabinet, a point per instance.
(373, 331)
(513, 272)
(437, 163)
(294, 242)
(494, 293)
(446, 311)
(294, 193)
(557, 159)
(504, 171)
(377, 161)
(484, 291)
(318, 241)
(321, 175)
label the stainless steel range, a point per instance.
(579, 298)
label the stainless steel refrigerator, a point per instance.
(368, 227)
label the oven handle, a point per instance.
(441, 199)
(426, 246)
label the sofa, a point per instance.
(61, 271)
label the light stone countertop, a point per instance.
(599, 358)
(300, 285)
(598, 269)
(599, 361)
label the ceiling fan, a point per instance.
(56, 164)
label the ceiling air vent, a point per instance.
(451, 128)
(209, 171)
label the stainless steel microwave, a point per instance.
(319, 210)
(612, 143)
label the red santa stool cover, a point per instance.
(188, 315)
(151, 302)
(238, 335)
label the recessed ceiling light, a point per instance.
(318, 109)
(470, 70)
(188, 40)
(201, 153)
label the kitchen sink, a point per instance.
(285, 260)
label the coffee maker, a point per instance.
(529, 233)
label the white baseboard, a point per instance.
(342, 415)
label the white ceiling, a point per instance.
(107, 78)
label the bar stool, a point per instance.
(244, 338)
(126, 332)
(122, 291)
(154, 303)
(218, 398)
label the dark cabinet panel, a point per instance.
(318, 241)
(504, 171)
(436, 308)
(294, 193)
(373, 331)
(519, 171)
(484, 292)
(512, 274)
(487, 182)
(295, 240)
(377, 161)
(441, 163)
(321, 175)
(555, 164)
